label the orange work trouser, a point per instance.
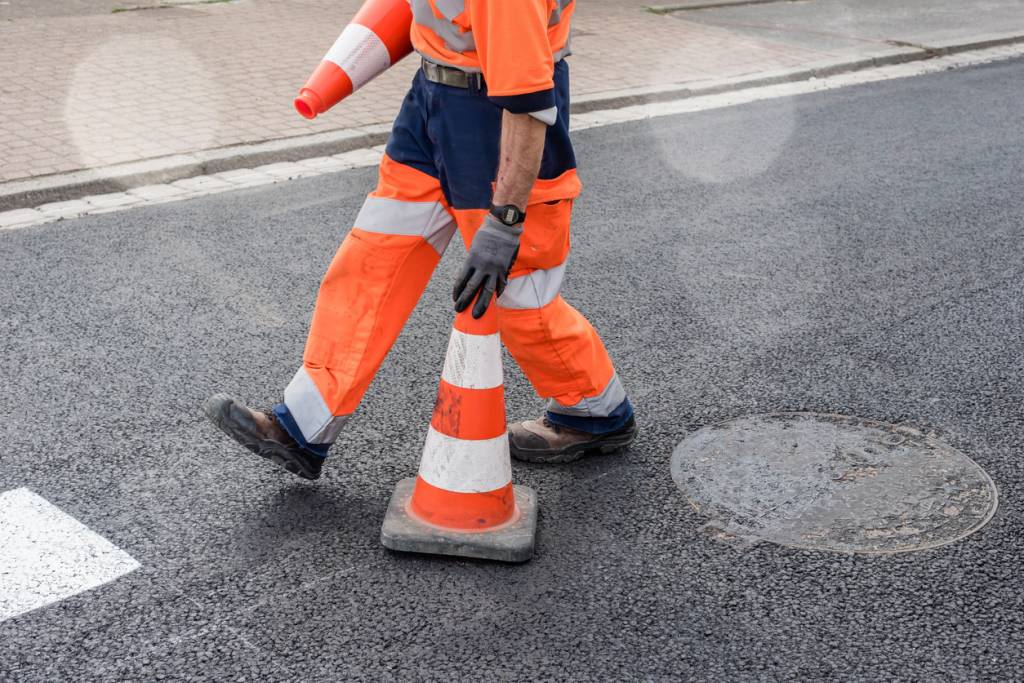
(382, 268)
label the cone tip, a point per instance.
(307, 104)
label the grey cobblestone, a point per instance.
(114, 200)
(285, 170)
(19, 217)
(245, 177)
(203, 183)
(68, 209)
(325, 164)
(156, 192)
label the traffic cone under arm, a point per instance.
(463, 501)
(376, 39)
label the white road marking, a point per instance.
(46, 555)
(273, 173)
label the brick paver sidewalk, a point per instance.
(86, 91)
(89, 91)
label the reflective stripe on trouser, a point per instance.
(557, 348)
(371, 287)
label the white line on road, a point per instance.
(46, 555)
(199, 186)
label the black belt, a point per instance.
(449, 75)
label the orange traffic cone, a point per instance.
(463, 501)
(377, 38)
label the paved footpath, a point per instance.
(87, 86)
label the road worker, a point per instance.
(481, 145)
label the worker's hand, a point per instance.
(485, 271)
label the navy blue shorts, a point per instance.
(454, 134)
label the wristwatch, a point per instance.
(510, 214)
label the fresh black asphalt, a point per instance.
(857, 251)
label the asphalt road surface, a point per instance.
(857, 251)
(837, 25)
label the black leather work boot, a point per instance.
(545, 442)
(261, 433)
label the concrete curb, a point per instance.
(31, 192)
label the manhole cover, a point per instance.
(831, 482)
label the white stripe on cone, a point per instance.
(465, 466)
(473, 361)
(360, 53)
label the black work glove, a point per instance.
(485, 271)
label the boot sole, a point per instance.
(573, 453)
(216, 411)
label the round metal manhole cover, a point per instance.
(830, 482)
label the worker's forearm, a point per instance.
(522, 144)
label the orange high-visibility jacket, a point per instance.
(514, 43)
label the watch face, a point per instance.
(508, 214)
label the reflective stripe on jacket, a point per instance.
(514, 43)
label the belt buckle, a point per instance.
(430, 70)
(450, 76)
